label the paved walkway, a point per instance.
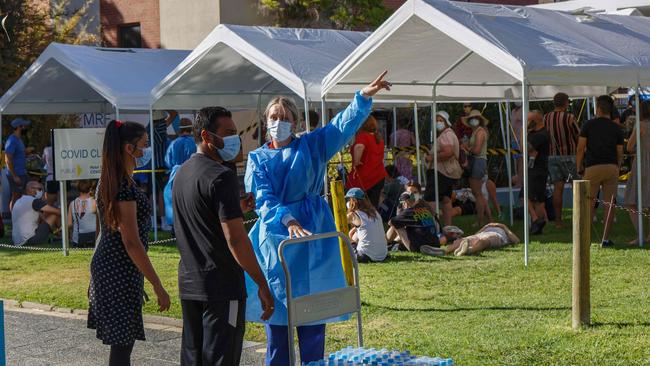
(36, 338)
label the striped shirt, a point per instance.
(564, 132)
(159, 142)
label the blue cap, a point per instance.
(355, 193)
(20, 122)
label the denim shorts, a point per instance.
(562, 168)
(479, 168)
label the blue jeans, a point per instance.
(311, 339)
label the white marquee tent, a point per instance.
(621, 7)
(437, 50)
(78, 79)
(238, 66)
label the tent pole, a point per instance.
(323, 120)
(307, 126)
(593, 104)
(588, 109)
(117, 112)
(434, 144)
(524, 148)
(509, 163)
(154, 193)
(417, 140)
(639, 191)
(394, 129)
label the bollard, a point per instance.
(3, 354)
(580, 306)
(341, 219)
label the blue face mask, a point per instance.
(145, 158)
(231, 146)
(279, 130)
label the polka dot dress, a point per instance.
(116, 284)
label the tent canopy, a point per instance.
(622, 7)
(238, 65)
(76, 79)
(484, 52)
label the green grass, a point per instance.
(481, 310)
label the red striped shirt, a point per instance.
(564, 132)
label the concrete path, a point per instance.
(35, 337)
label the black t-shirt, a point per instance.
(539, 141)
(206, 193)
(602, 137)
(420, 225)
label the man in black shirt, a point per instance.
(214, 246)
(538, 151)
(600, 147)
(415, 226)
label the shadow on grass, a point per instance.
(620, 324)
(462, 309)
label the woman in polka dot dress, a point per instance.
(120, 261)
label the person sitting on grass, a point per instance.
(415, 228)
(390, 194)
(490, 236)
(367, 234)
(82, 216)
(32, 218)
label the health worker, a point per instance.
(178, 152)
(286, 176)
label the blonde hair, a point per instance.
(287, 104)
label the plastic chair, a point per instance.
(324, 305)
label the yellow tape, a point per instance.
(149, 171)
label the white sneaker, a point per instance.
(462, 249)
(429, 250)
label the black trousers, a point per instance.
(213, 332)
(374, 193)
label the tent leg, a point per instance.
(394, 129)
(524, 148)
(117, 112)
(588, 109)
(65, 240)
(509, 163)
(323, 120)
(434, 144)
(154, 192)
(307, 127)
(417, 140)
(639, 191)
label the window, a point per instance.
(129, 36)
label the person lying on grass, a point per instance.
(490, 236)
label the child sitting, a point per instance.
(367, 235)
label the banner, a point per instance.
(77, 153)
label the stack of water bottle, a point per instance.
(350, 356)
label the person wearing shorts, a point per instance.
(563, 131)
(32, 218)
(490, 236)
(477, 149)
(538, 148)
(449, 170)
(600, 148)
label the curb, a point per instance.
(160, 321)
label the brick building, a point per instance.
(127, 23)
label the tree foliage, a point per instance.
(337, 14)
(29, 27)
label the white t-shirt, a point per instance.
(24, 218)
(49, 164)
(371, 237)
(84, 217)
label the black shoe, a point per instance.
(607, 244)
(537, 226)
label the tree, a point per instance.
(337, 14)
(29, 27)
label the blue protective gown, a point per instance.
(290, 181)
(179, 150)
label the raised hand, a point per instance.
(377, 85)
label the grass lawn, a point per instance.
(482, 310)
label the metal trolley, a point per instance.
(322, 305)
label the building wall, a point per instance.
(114, 13)
(184, 24)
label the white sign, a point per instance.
(77, 153)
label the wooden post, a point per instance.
(341, 219)
(580, 306)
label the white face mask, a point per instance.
(417, 196)
(474, 122)
(440, 126)
(39, 194)
(279, 130)
(348, 204)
